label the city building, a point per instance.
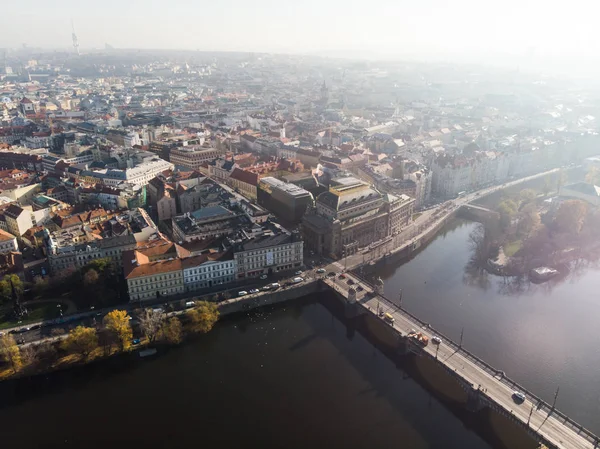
(17, 220)
(192, 157)
(72, 250)
(8, 242)
(209, 222)
(270, 250)
(352, 215)
(244, 182)
(286, 200)
(151, 280)
(208, 270)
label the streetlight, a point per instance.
(400, 300)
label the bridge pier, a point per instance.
(474, 402)
(403, 346)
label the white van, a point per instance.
(242, 293)
(297, 280)
(189, 304)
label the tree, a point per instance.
(151, 323)
(6, 288)
(570, 217)
(527, 196)
(29, 355)
(90, 278)
(10, 352)
(204, 316)
(507, 209)
(117, 321)
(81, 340)
(593, 176)
(172, 331)
(529, 219)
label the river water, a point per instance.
(544, 336)
(297, 376)
(291, 376)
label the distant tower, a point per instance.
(75, 40)
(324, 93)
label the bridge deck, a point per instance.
(551, 425)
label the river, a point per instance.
(297, 376)
(544, 336)
(290, 376)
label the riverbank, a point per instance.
(325, 366)
(47, 355)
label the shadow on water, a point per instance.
(409, 371)
(422, 415)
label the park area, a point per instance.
(38, 310)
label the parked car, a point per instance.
(342, 276)
(350, 282)
(242, 293)
(359, 288)
(275, 285)
(263, 276)
(254, 290)
(298, 273)
(321, 270)
(189, 304)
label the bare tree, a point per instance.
(151, 323)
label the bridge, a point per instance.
(426, 225)
(485, 386)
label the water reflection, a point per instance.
(542, 335)
(477, 273)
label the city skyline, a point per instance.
(528, 34)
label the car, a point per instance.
(359, 288)
(266, 288)
(263, 276)
(331, 274)
(275, 285)
(436, 340)
(189, 304)
(242, 293)
(298, 273)
(350, 282)
(342, 276)
(254, 290)
(135, 341)
(36, 326)
(518, 397)
(321, 270)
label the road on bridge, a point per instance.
(544, 421)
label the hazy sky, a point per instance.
(431, 28)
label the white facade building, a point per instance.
(208, 270)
